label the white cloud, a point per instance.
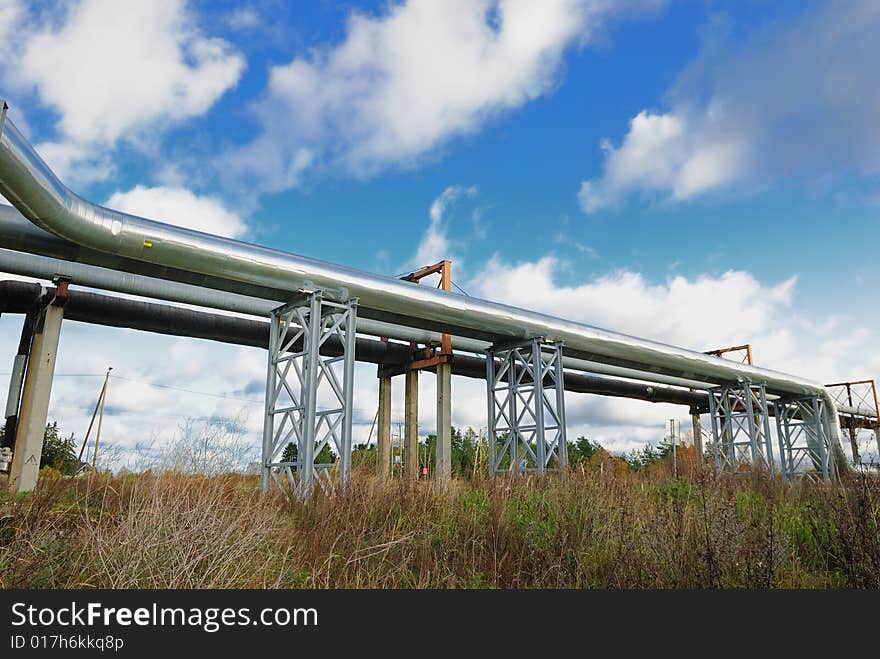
(405, 82)
(448, 197)
(700, 313)
(244, 19)
(435, 244)
(76, 161)
(182, 207)
(793, 101)
(114, 71)
(10, 14)
(565, 239)
(662, 152)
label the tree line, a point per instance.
(469, 454)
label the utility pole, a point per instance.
(673, 436)
(698, 437)
(399, 460)
(101, 419)
(98, 402)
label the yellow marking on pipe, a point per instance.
(147, 243)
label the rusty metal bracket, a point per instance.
(425, 357)
(61, 290)
(744, 359)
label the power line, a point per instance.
(189, 391)
(158, 385)
(154, 384)
(71, 375)
(212, 395)
(123, 412)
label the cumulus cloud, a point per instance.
(700, 313)
(435, 243)
(243, 19)
(10, 13)
(405, 82)
(77, 162)
(664, 152)
(182, 207)
(113, 71)
(794, 101)
(732, 307)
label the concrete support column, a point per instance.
(443, 466)
(877, 437)
(383, 438)
(35, 401)
(411, 425)
(698, 438)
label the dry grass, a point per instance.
(592, 531)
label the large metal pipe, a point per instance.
(40, 196)
(97, 309)
(40, 266)
(44, 267)
(49, 255)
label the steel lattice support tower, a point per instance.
(299, 384)
(741, 425)
(526, 405)
(861, 402)
(804, 433)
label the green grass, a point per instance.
(590, 530)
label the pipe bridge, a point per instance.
(314, 303)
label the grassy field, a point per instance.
(594, 530)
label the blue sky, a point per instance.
(696, 172)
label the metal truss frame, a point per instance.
(804, 433)
(860, 395)
(744, 356)
(526, 408)
(741, 425)
(311, 393)
(432, 355)
(862, 400)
